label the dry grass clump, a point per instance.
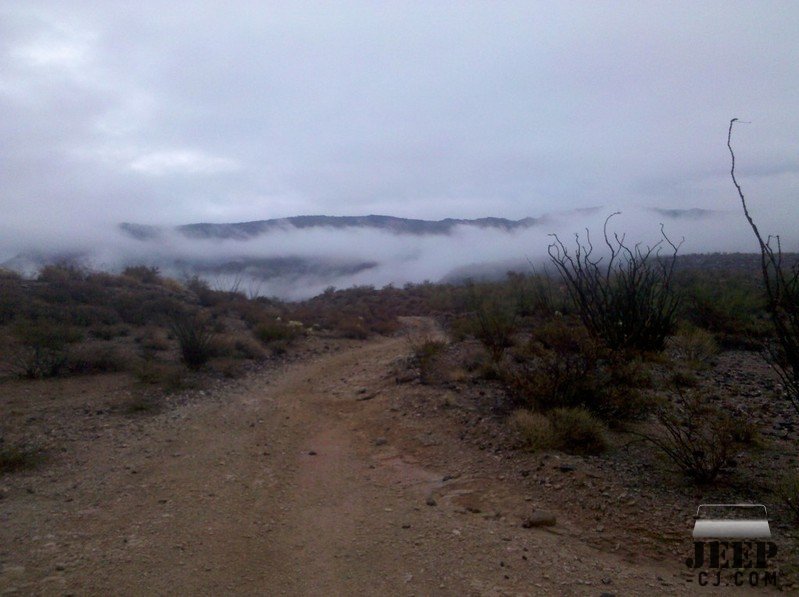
(426, 351)
(578, 431)
(694, 345)
(534, 428)
(572, 430)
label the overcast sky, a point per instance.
(171, 112)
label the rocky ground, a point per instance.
(338, 472)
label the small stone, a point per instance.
(566, 468)
(381, 441)
(539, 518)
(431, 501)
(312, 453)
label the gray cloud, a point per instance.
(175, 112)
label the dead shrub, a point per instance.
(627, 301)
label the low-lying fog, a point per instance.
(313, 259)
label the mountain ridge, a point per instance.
(397, 225)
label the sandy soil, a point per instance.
(313, 479)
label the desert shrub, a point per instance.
(244, 348)
(694, 345)
(85, 360)
(729, 305)
(206, 296)
(108, 332)
(697, 434)
(425, 352)
(276, 332)
(534, 428)
(150, 371)
(578, 431)
(152, 339)
(146, 305)
(143, 273)
(628, 302)
(787, 490)
(233, 346)
(563, 366)
(18, 457)
(352, 327)
(62, 273)
(12, 297)
(88, 315)
(494, 324)
(194, 334)
(41, 348)
(555, 368)
(228, 368)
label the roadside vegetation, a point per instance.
(561, 377)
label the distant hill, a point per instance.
(298, 265)
(249, 230)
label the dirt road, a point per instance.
(313, 480)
